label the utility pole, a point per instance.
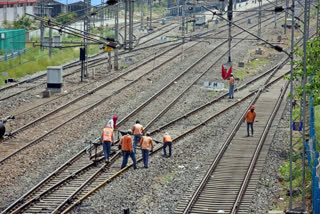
(41, 25)
(50, 42)
(183, 20)
(317, 28)
(131, 2)
(86, 32)
(116, 36)
(102, 15)
(125, 23)
(259, 18)
(275, 16)
(141, 13)
(229, 36)
(286, 16)
(150, 18)
(291, 99)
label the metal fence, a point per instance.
(313, 160)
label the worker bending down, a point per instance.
(250, 117)
(167, 141)
(146, 143)
(137, 131)
(126, 147)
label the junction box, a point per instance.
(54, 78)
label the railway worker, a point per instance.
(106, 140)
(231, 86)
(250, 116)
(112, 122)
(126, 147)
(146, 143)
(137, 131)
(167, 141)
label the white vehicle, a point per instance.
(200, 20)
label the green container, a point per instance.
(12, 40)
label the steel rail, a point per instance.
(255, 157)
(77, 115)
(77, 63)
(160, 148)
(86, 94)
(153, 119)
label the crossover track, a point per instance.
(100, 61)
(86, 177)
(92, 63)
(26, 145)
(53, 182)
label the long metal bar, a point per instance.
(116, 36)
(125, 23)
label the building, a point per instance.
(11, 10)
(50, 8)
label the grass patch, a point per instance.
(249, 68)
(35, 60)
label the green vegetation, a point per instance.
(65, 18)
(23, 23)
(312, 69)
(250, 68)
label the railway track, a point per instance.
(226, 181)
(26, 145)
(92, 63)
(75, 193)
(99, 61)
(56, 192)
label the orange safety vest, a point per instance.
(167, 138)
(231, 80)
(107, 134)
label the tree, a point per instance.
(312, 69)
(65, 18)
(24, 22)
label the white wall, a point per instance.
(10, 13)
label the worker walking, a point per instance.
(137, 131)
(250, 117)
(167, 141)
(106, 140)
(126, 147)
(231, 86)
(146, 143)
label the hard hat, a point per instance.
(108, 126)
(252, 107)
(129, 131)
(166, 133)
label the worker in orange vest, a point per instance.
(167, 141)
(250, 117)
(231, 86)
(106, 140)
(126, 147)
(137, 131)
(146, 143)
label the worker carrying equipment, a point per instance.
(107, 140)
(146, 143)
(126, 147)
(250, 117)
(231, 86)
(167, 141)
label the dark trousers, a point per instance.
(125, 155)
(136, 140)
(231, 88)
(165, 147)
(145, 157)
(106, 149)
(248, 125)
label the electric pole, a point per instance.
(131, 2)
(41, 25)
(183, 19)
(229, 36)
(50, 42)
(259, 18)
(286, 16)
(116, 32)
(150, 18)
(86, 32)
(141, 13)
(317, 28)
(125, 23)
